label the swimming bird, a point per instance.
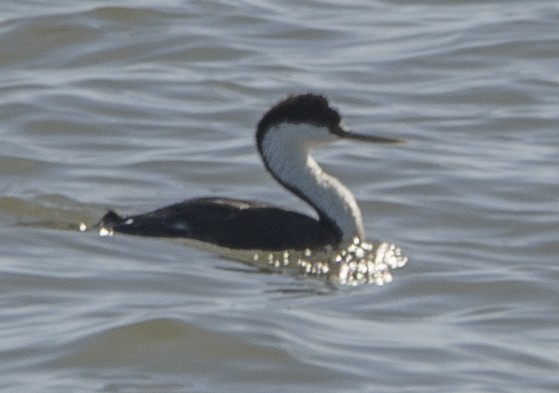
(284, 137)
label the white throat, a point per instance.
(286, 149)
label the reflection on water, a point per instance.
(353, 264)
(356, 263)
(364, 263)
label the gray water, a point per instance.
(134, 105)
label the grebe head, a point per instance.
(311, 115)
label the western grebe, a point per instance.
(284, 137)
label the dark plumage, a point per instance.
(229, 223)
(305, 108)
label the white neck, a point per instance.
(286, 150)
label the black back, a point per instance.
(230, 223)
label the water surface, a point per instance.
(135, 105)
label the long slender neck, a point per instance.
(286, 155)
